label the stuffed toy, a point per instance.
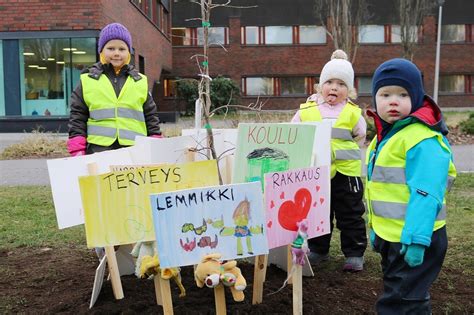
(211, 272)
(148, 265)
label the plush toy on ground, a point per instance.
(148, 265)
(211, 272)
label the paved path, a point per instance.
(35, 172)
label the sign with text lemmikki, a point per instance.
(226, 219)
(116, 204)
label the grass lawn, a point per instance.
(28, 219)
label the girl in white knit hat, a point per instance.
(332, 103)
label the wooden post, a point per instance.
(110, 252)
(190, 155)
(298, 290)
(260, 270)
(289, 263)
(158, 294)
(166, 295)
(219, 296)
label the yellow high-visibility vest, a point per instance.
(387, 192)
(112, 117)
(345, 153)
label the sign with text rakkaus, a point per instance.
(292, 196)
(117, 204)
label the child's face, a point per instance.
(116, 52)
(393, 103)
(334, 91)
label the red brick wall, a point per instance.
(45, 15)
(309, 59)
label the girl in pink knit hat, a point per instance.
(111, 104)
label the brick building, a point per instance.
(277, 50)
(44, 45)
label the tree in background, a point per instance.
(341, 18)
(224, 91)
(411, 14)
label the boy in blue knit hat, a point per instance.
(409, 170)
(111, 104)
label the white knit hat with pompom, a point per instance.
(338, 68)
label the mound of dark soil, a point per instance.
(60, 281)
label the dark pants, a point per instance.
(94, 148)
(347, 207)
(406, 289)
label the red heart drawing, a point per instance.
(291, 212)
(269, 224)
(272, 204)
(282, 195)
(321, 200)
(318, 188)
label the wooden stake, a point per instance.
(110, 252)
(166, 296)
(190, 155)
(289, 263)
(158, 294)
(219, 296)
(259, 273)
(298, 290)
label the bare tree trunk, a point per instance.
(412, 13)
(205, 82)
(343, 17)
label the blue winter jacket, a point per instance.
(427, 165)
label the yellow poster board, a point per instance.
(117, 204)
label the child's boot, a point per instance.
(354, 264)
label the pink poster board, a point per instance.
(291, 196)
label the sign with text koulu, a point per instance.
(226, 219)
(292, 196)
(265, 148)
(116, 204)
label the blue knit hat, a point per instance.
(114, 31)
(403, 73)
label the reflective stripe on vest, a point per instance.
(387, 193)
(112, 117)
(344, 150)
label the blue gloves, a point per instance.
(413, 254)
(372, 238)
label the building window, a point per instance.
(257, 86)
(50, 69)
(141, 64)
(217, 36)
(453, 33)
(250, 35)
(181, 36)
(312, 34)
(292, 86)
(155, 11)
(364, 85)
(369, 34)
(396, 35)
(2, 92)
(278, 35)
(170, 89)
(452, 84)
